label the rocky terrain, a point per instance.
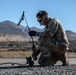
(51, 70)
(57, 69)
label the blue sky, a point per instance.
(64, 10)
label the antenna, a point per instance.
(22, 18)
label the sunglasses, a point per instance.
(39, 21)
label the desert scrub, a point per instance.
(15, 54)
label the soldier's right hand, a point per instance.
(34, 48)
(34, 56)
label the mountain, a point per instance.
(8, 27)
(37, 29)
(71, 35)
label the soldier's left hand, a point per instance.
(32, 33)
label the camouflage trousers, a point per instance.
(50, 60)
(49, 56)
(45, 60)
(56, 57)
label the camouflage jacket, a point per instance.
(54, 34)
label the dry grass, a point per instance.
(8, 37)
(71, 54)
(23, 54)
(4, 53)
(15, 54)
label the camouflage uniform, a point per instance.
(53, 43)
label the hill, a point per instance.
(8, 27)
(71, 35)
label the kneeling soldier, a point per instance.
(52, 41)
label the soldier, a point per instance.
(52, 41)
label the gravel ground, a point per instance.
(7, 69)
(51, 70)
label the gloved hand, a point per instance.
(30, 61)
(32, 33)
(33, 47)
(34, 55)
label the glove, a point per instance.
(32, 33)
(29, 61)
(34, 47)
(35, 54)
